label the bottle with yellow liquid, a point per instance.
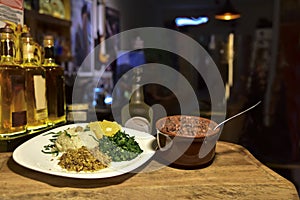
(35, 77)
(13, 114)
(55, 84)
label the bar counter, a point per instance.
(234, 174)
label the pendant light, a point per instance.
(227, 12)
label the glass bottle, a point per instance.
(55, 84)
(35, 77)
(137, 114)
(13, 117)
(19, 30)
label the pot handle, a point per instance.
(164, 142)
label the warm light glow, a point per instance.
(228, 16)
(227, 91)
(227, 12)
(230, 58)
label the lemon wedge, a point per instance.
(105, 127)
(109, 128)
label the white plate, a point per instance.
(30, 155)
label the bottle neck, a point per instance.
(7, 60)
(7, 52)
(28, 56)
(49, 52)
(30, 61)
(138, 94)
(49, 62)
(49, 56)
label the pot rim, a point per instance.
(160, 122)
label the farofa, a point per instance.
(80, 160)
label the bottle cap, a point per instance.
(6, 29)
(7, 33)
(26, 34)
(48, 40)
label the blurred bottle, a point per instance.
(55, 84)
(77, 113)
(13, 117)
(137, 114)
(35, 77)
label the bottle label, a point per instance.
(19, 119)
(40, 92)
(18, 102)
(138, 123)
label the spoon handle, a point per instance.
(236, 115)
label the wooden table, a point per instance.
(234, 174)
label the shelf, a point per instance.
(43, 18)
(43, 24)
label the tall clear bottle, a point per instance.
(55, 82)
(13, 117)
(137, 114)
(35, 77)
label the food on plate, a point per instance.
(80, 150)
(104, 127)
(83, 160)
(120, 147)
(92, 147)
(74, 138)
(95, 127)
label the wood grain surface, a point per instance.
(234, 174)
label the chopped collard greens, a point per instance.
(120, 147)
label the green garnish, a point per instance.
(67, 134)
(50, 148)
(120, 147)
(49, 133)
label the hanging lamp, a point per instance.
(227, 12)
